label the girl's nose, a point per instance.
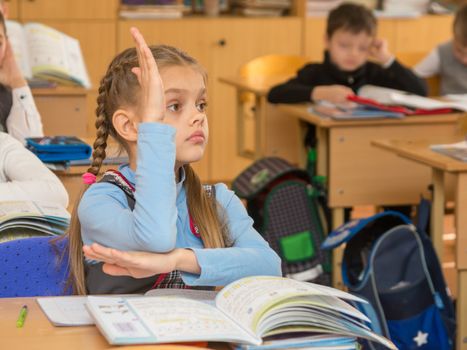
(198, 117)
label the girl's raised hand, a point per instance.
(151, 105)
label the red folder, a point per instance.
(397, 109)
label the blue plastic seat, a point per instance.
(32, 267)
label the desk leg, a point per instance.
(437, 211)
(322, 137)
(337, 253)
(302, 150)
(260, 126)
(461, 260)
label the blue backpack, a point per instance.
(394, 266)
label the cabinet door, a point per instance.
(12, 6)
(190, 35)
(422, 34)
(66, 9)
(235, 42)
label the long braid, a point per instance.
(75, 244)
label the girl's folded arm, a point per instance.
(106, 219)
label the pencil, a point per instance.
(22, 316)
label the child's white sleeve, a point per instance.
(24, 119)
(429, 66)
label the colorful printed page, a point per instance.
(18, 41)
(148, 320)
(55, 55)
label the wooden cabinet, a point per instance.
(62, 110)
(68, 10)
(12, 8)
(222, 46)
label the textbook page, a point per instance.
(66, 310)
(397, 97)
(148, 319)
(18, 41)
(266, 304)
(30, 209)
(54, 54)
(71, 310)
(247, 299)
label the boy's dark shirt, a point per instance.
(298, 89)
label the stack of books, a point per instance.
(407, 8)
(153, 9)
(261, 8)
(320, 8)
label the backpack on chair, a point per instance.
(283, 204)
(394, 266)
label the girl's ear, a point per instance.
(125, 124)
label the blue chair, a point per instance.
(32, 267)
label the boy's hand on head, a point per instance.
(10, 74)
(379, 50)
(336, 94)
(151, 105)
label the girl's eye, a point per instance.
(202, 106)
(173, 107)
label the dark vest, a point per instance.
(453, 73)
(6, 101)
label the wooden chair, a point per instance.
(33, 267)
(272, 69)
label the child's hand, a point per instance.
(380, 52)
(152, 100)
(10, 75)
(134, 264)
(336, 94)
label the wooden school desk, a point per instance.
(62, 109)
(360, 174)
(419, 152)
(38, 333)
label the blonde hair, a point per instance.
(119, 88)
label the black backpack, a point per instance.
(286, 211)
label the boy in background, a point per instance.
(449, 60)
(350, 42)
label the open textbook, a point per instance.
(390, 97)
(246, 311)
(46, 53)
(20, 219)
(456, 150)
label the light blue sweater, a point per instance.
(160, 220)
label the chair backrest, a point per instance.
(273, 65)
(33, 267)
(410, 59)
